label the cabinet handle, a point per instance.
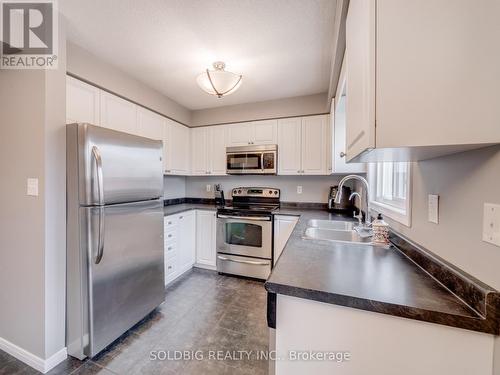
(342, 154)
(181, 217)
(169, 267)
(169, 223)
(167, 171)
(169, 236)
(169, 248)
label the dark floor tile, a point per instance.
(12, 366)
(90, 368)
(68, 366)
(202, 311)
(207, 368)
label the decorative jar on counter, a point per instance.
(380, 231)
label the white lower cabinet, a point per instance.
(283, 227)
(180, 244)
(205, 239)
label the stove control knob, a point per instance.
(276, 192)
(239, 191)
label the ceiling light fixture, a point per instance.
(219, 82)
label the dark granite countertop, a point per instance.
(183, 207)
(368, 278)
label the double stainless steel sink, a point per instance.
(337, 231)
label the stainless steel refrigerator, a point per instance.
(115, 265)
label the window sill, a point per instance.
(401, 216)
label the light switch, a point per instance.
(299, 189)
(32, 187)
(433, 208)
(209, 188)
(491, 223)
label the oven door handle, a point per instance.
(244, 261)
(253, 218)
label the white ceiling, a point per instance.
(283, 48)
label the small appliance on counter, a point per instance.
(220, 202)
(345, 206)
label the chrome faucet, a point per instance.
(338, 196)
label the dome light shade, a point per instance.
(219, 82)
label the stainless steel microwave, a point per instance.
(252, 159)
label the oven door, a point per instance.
(248, 236)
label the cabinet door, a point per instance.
(314, 145)
(177, 148)
(360, 73)
(265, 132)
(171, 247)
(217, 150)
(82, 102)
(283, 227)
(187, 240)
(199, 151)
(150, 124)
(205, 238)
(118, 114)
(339, 138)
(240, 134)
(289, 146)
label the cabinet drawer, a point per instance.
(170, 267)
(170, 235)
(170, 249)
(169, 222)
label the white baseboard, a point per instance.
(42, 365)
(205, 266)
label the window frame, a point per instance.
(401, 214)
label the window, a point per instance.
(391, 190)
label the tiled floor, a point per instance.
(205, 313)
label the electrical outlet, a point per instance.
(433, 208)
(32, 187)
(209, 188)
(299, 189)
(491, 223)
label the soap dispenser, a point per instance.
(380, 231)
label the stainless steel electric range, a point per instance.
(245, 232)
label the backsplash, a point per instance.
(314, 188)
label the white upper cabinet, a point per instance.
(208, 150)
(150, 124)
(303, 145)
(217, 150)
(176, 148)
(289, 146)
(82, 102)
(422, 81)
(118, 114)
(240, 134)
(337, 136)
(200, 164)
(314, 145)
(265, 132)
(253, 133)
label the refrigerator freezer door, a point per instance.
(116, 167)
(126, 273)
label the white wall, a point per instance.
(464, 183)
(314, 188)
(174, 187)
(287, 107)
(33, 228)
(85, 65)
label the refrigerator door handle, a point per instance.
(100, 237)
(98, 163)
(100, 189)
